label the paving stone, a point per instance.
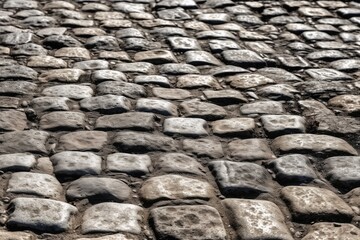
(83, 141)
(172, 187)
(326, 55)
(198, 109)
(24, 141)
(132, 164)
(171, 94)
(248, 80)
(178, 69)
(192, 219)
(173, 14)
(112, 218)
(60, 41)
(16, 235)
(143, 142)
(157, 106)
(234, 127)
(262, 107)
(322, 231)
(38, 184)
(62, 120)
(270, 222)
(346, 65)
(15, 38)
(20, 4)
(350, 104)
(131, 120)
(279, 74)
(196, 81)
(293, 169)
(323, 89)
(250, 149)
(17, 88)
(214, 18)
(170, 4)
(17, 162)
(312, 204)
(67, 75)
(12, 120)
(203, 147)
(92, 65)
(126, 89)
(73, 53)
(243, 58)
(74, 163)
(222, 45)
(17, 72)
(118, 236)
(138, 67)
(156, 56)
(291, 62)
(276, 125)
(192, 127)
(102, 189)
(278, 92)
(41, 104)
(183, 43)
(316, 36)
(152, 79)
(240, 179)
(178, 163)
(352, 198)
(88, 32)
(314, 12)
(9, 102)
(225, 97)
(41, 215)
(199, 58)
(329, 124)
(327, 74)
(72, 91)
(28, 49)
(106, 104)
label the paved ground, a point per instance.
(179, 119)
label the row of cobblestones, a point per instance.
(179, 119)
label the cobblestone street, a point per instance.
(179, 120)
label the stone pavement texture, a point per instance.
(179, 120)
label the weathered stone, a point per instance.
(17, 72)
(329, 124)
(199, 58)
(243, 58)
(42, 104)
(178, 69)
(152, 79)
(12, 120)
(38, 184)
(23, 141)
(198, 109)
(234, 127)
(98, 189)
(250, 149)
(83, 141)
(262, 107)
(71, 91)
(323, 231)
(183, 44)
(172, 187)
(17, 88)
(73, 53)
(15, 38)
(225, 97)
(195, 81)
(118, 236)
(323, 145)
(248, 80)
(192, 219)
(67, 75)
(20, 4)
(215, 34)
(276, 125)
(278, 92)
(293, 62)
(126, 89)
(60, 41)
(92, 65)
(326, 55)
(270, 222)
(108, 75)
(327, 74)
(309, 204)
(17, 162)
(41, 215)
(131, 120)
(112, 218)
(185, 126)
(171, 94)
(348, 103)
(156, 56)
(7, 235)
(132, 164)
(62, 120)
(178, 163)
(204, 147)
(107, 104)
(157, 106)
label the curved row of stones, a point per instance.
(193, 119)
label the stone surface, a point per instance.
(157, 106)
(106, 104)
(234, 127)
(71, 91)
(195, 127)
(62, 120)
(276, 125)
(199, 109)
(83, 141)
(250, 149)
(12, 120)
(320, 231)
(204, 147)
(131, 120)
(178, 163)
(132, 164)
(24, 141)
(17, 162)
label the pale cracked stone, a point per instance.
(312, 144)
(327, 74)
(98, 189)
(77, 53)
(130, 120)
(106, 104)
(293, 168)
(112, 218)
(17, 72)
(204, 147)
(63, 120)
(276, 125)
(178, 163)
(234, 127)
(7, 235)
(41, 104)
(205, 110)
(157, 106)
(43, 215)
(108, 75)
(250, 149)
(24, 141)
(126, 89)
(155, 56)
(153, 79)
(199, 58)
(248, 80)
(71, 91)
(183, 44)
(243, 58)
(132, 164)
(308, 204)
(187, 222)
(256, 219)
(350, 104)
(137, 67)
(143, 142)
(343, 172)
(74, 163)
(196, 81)
(67, 75)
(16, 38)
(17, 162)
(171, 93)
(262, 107)
(38, 184)
(173, 187)
(192, 127)
(236, 179)
(83, 141)
(46, 62)
(12, 120)
(326, 231)
(118, 236)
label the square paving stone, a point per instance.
(83, 141)
(205, 110)
(234, 127)
(204, 147)
(256, 219)
(130, 90)
(248, 80)
(240, 179)
(130, 120)
(17, 162)
(38, 184)
(178, 163)
(262, 107)
(12, 120)
(192, 127)
(43, 215)
(42, 104)
(309, 204)
(62, 120)
(155, 56)
(243, 58)
(108, 104)
(276, 125)
(183, 43)
(72, 91)
(132, 164)
(187, 222)
(343, 172)
(112, 218)
(348, 103)
(225, 97)
(325, 231)
(197, 81)
(24, 141)
(293, 169)
(250, 149)
(172, 187)
(73, 163)
(158, 106)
